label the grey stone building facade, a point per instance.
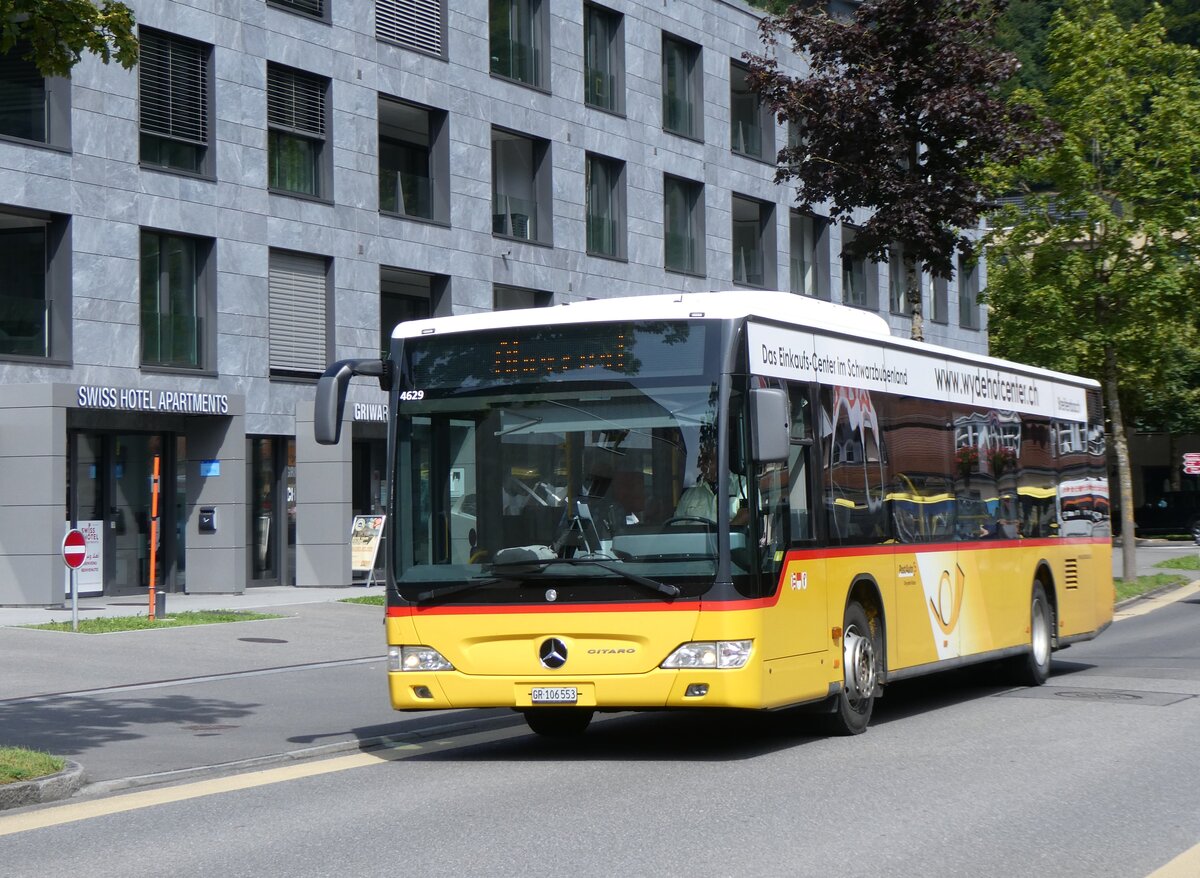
(187, 244)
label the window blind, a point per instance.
(295, 102)
(172, 84)
(414, 24)
(297, 313)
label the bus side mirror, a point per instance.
(331, 395)
(770, 431)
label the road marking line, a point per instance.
(1186, 865)
(72, 812)
(397, 749)
(1147, 605)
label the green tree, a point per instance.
(58, 32)
(899, 113)
(1097, 273)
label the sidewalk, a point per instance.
(261, 599)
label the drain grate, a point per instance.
(1103, 696)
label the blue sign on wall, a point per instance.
(210, 468)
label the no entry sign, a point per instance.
(74, 549)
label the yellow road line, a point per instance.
(1186, 865)
(75, 811)
(1142, 607)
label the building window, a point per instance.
(414, 24)
(752, 130)
(408, 295)
(413, 161)
(34, 301)
(968, 293)
(683, 225)
(315, 8)
(603, 59)
(940, 302)
(898, 283)
(296, 134)
(33, 107)
(518, 41)
(505, 298)
(809, 239)
(605, 183)
(856, 289)
(297, 304)
(173, 94)
(173, 300)
(682, 79)
(520, 187)
(753, 243)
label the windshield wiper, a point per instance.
(663, 588)
(457, 587)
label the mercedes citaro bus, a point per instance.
(880, 508)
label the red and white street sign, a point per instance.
(74, 549)
(1191, 463)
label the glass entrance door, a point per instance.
(111, 482)
(272, 509)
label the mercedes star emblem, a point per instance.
(553, 653)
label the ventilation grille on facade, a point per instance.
(1071, 575)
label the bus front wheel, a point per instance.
(1033, 668)
(862, 644)
(558, 722)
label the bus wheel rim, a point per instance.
(859, 657)
(1041, 634)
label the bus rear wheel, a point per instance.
(862, 652)
(558, 722)
(1033, 668)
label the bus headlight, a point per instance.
(416, 658)
(710, 654)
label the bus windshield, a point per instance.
(595, 474)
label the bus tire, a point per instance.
(558, 722)
(862, 652)
(1033, 668)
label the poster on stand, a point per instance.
(365, 534)
(90, 576)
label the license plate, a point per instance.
(554, 695)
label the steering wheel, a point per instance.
(709, 524)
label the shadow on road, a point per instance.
(75, 726)
(670, 735)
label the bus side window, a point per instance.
(798, 469)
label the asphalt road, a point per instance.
(959, 775)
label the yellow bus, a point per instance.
(724, 500)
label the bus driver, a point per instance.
(700, 500)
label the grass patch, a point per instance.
(18, 764)
(374, 600)
(1183, 562)
(1144, 584)
(111, 624)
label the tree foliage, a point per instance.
(900, 111)
(1097, 273)
(56, 33)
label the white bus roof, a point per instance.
(792, 308)
(802, 312)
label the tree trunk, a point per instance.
(1124, 473)
(912, 280)
(1176, 481)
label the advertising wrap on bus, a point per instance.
(806, 356)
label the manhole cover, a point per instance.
(261, 640)
(1105, 696)
(1097, 695)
